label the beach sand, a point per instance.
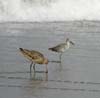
(78, 76)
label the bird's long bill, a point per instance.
(72, 43)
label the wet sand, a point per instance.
(78, 76)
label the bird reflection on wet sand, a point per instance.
(54, 61)
(37, 76)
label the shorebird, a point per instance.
(61, 48)
(35, 57)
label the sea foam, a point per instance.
(49, 10)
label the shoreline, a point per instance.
(18, 22)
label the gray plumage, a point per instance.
(60, 48)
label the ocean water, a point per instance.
(49, 10)
(78, 76)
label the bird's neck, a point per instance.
(68, 44)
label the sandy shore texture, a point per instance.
(78, 76)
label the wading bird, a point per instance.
(35, 57)
(61, 48)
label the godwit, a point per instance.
(35, 57)
(61, 48)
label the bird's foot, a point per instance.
(46, 72)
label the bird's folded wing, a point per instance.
(32, 55)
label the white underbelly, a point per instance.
(64, 49)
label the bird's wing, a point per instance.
(36, 53)
(36, 56)
(59, 46)
(32, 54)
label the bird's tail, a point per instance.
(21, 49)
(50, 49)
(25, 53)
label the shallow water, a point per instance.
(78, 76)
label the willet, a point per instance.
(61, 48)
(35, 57)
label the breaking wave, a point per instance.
(49, 10)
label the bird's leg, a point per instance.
(31, 66)
(46, 77)
(60, 57)
(46, 69)
(34, 66)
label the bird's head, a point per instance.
(45, 61)
(67, 40)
